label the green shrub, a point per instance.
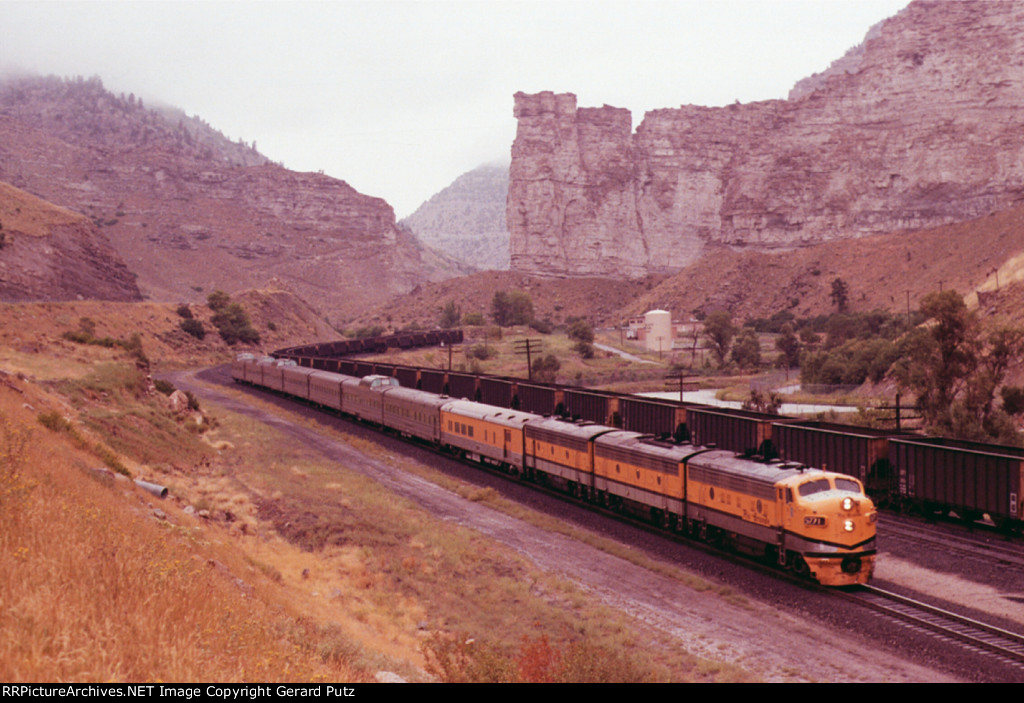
(481, 352)
(54, 421)
(193, 327)
(545, 368)
(165, 387)
(233, 324)
(218, 300)
(542, 326)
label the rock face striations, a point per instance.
(921, 125)
(191, 211)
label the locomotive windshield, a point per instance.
(847, 484)
(820, 485)
(817, 486)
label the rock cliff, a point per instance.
(191, 211)
(921, 125)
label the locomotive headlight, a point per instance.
(847, 503)
(848, 525)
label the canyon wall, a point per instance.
(190, 211)
(921, 125)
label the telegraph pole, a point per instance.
(527, 347)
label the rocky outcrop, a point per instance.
(466, 220)
(191, 211)
(49, 253)
(922, 125)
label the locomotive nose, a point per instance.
(851, 565)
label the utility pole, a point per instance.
(687, 382)
(527, 347)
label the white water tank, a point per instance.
(658, 328)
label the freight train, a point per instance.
(933, 476)
(811, 521)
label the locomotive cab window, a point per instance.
(816, 486)
(846, 484)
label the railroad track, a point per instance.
(1006, 646)
(980, 546)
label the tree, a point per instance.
(581, 331)
(450, 315)
(840, 294)
(789, 345)
(955, 368)
(746, 352)
(511, 308)
(719, 330)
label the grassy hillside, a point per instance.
(269, 560)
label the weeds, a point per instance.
(463, 659)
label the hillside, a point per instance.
(50, 253)
(553, 299)
(190, 211)
(883, 271)
(466, 220)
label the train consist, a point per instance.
(808, 520)
(970, 480)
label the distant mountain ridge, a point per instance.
(466, 220)
(191, 211)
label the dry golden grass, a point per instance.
(93, 587)
(304, 569)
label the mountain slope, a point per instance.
(50, 253)
(466, 220)
(190, 211)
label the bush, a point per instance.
(474, 318)
(233, 324)
(193, 327)
(542, 326)
(481, 352)
(218, 300)
(184, 311)
(165, 387)
(581, 331)
(369, 331)
(545, 368)
(849, 364)
(746, 351)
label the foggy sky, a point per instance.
(401, 97)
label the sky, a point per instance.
(400, 97)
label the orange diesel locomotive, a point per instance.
(811, 521)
